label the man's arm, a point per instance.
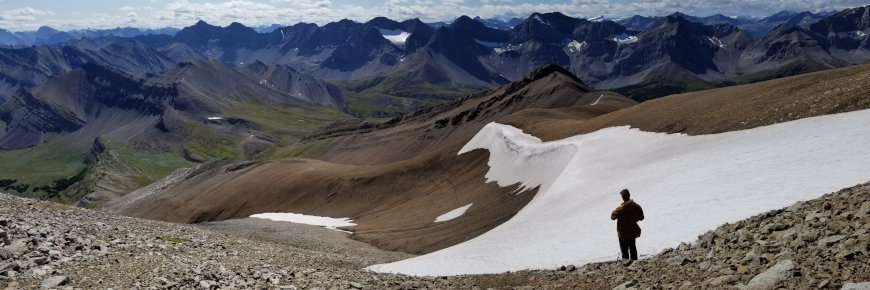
(615, 214)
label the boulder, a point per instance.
(54, 281)
(856, 286)
(771, 277)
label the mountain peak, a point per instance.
(547, 70)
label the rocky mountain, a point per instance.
(646, 57)
(847, 32)
(637, 22)
(761, 27)
(201, 110)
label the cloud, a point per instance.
(22, 14)
(180, 13)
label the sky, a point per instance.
(22, 15)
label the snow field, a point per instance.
(453, 214)
(687, 185)
(326, 222)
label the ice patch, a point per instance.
(687, 185)
(395, 36)
(625, 39)
(326, 222)
(452, 214)
(715, 41)
(575, 46)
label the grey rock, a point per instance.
(355, 285)
(40, 260)
(722, 280)
(830, 241)
(5, 254)
(678, 261)
(774, 227)
(772, 276)
(626, 285)
(815, 216)
(4, 237)
(205, 284)
(864, 210)
(856, 286)
(54, 281)
(705, 265)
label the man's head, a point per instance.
(625, 194)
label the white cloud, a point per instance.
(180, 13)
(22, 14)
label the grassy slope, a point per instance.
(392, 94)
(40, 166)
(151, 166)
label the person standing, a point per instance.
(627, 215)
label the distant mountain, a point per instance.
(102, 100)
(761, 27)
(637, 22)
(673, 54)
(499, 23)
(847, 31)
(50, 36)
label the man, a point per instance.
(627, 215)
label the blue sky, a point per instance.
(20, 15)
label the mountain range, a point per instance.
(642, 57)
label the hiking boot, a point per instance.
(627, 263)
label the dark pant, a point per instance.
(627, 247)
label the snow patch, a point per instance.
(396, 36)
(542, 20)
(509, 47)
(575, 46)
(715, 41)
(597, 100)
(215, 118)
(452, 214)
(625, 39)
(597, 19)
(326, 222)
(687, 185)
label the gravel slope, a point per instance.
(822, 243)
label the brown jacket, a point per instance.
(627, 215)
